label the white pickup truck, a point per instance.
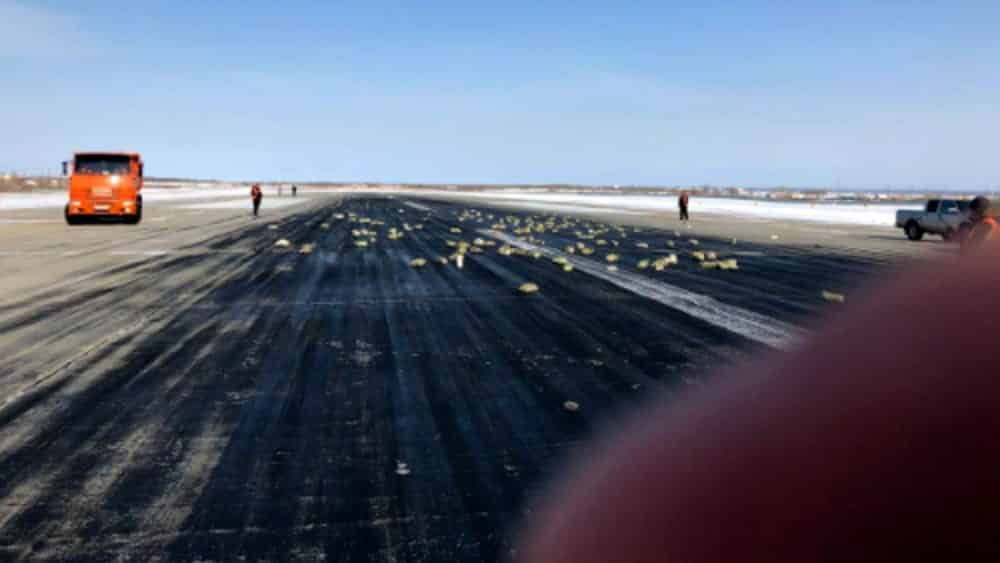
(945, 217)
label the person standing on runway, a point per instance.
(256, 195)
(682, 203)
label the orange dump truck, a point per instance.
(104, 185)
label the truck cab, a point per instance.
(104, 185)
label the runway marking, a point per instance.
(417, 206)
(754, 326)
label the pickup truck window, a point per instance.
(932, 206)
(949, 207)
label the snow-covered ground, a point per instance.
(244, 203)
(32, 200)
(836, 213)
(875, 214)
(236, 196)
(35, 200)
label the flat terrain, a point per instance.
(187, 390)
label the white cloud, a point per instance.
(36, 32)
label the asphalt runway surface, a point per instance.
(187, 390)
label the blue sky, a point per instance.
(848, 94)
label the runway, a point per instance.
(187, 390)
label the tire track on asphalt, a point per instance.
(227, 278)
(121, 286)
(221, 231)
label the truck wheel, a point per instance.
(70, 219)
(135, 219)
(948, 235)
(913, 231)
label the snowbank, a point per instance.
(875, 214)
(37, 200)
(567, 202)
(32, 200)
(819, 212)
(244, 203)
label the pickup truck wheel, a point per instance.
(948, 235)
(913, 231)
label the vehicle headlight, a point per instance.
(127, 203)
(75, 203)
(115, 178)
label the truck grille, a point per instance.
(102, 193)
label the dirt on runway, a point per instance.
(187, 390)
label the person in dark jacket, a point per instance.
(256, 195)
(682, 203)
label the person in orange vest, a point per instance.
(984, 228)
(256, 195)
(682, 203)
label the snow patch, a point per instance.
(837, 213)
(43, 200)
(874, 214)
(268, 203)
